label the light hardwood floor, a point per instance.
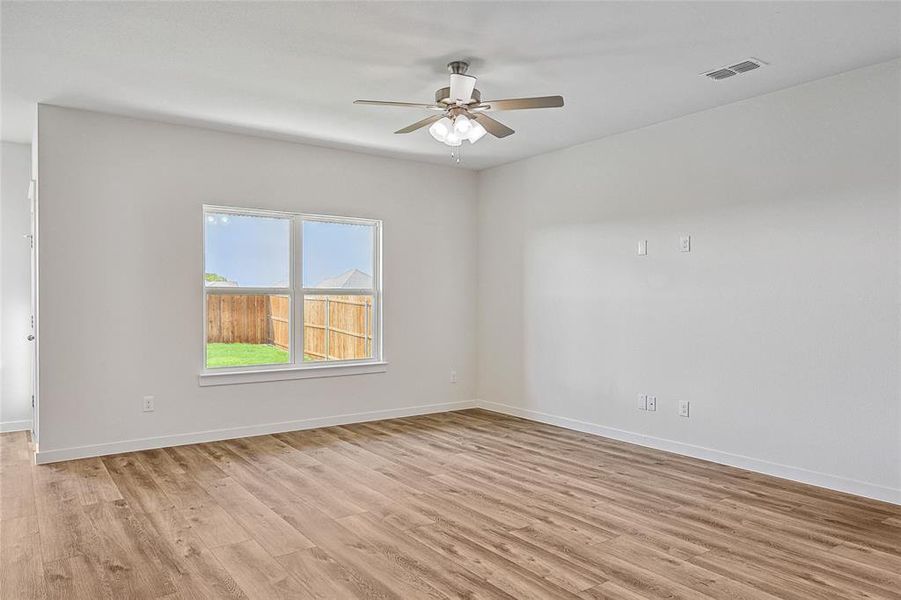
(459, 505)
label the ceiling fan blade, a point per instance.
(461, 87)
(400, 104)
(523, 103)
(421, 124)
(495, 128)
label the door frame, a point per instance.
(33, 201)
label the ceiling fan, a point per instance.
(461, 110)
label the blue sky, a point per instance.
(330, 249)
(254, 251)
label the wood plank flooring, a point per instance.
(469, 504)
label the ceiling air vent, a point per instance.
(745, 66)
(721, 73)
(736, 69)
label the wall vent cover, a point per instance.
(736, 69)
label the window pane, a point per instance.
(246, 250)
(337, 328)
(337, 255)
(247, 330)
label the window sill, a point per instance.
(282, 374)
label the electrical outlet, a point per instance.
(685, 243)
(147, 404)
(642, 248)
(642, 401)
(453, 377)
(683, 408)
(652, 403)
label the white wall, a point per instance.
(15, 288)
(781, 326)
(120, 265)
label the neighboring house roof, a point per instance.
(353, 279)
(222, 284)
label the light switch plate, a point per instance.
(642, 248)
(652, 403)
(685, 243)
(642, 401)
(683, 408)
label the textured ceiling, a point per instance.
(291, 70)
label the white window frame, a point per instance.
(297, 369)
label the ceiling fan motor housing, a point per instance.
(442, 96)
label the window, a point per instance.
(284, 290)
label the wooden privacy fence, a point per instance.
(247, 319)
(335, 327)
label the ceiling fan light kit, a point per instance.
(463, 111)
(453, 131)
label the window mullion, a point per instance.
(297, 290)
(247, 291)
(337, 292)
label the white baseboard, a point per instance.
(50, 456)
(7, 426)
(816, 478)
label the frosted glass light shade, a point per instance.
(453, 139)
(441, 128)
(476, 132)
(462, 125)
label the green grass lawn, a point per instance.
(242, 355)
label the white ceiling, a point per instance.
(291, 70)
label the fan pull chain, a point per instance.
(457, 154)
